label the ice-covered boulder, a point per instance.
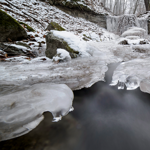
(10, 29)
(135, 31)
(22, 111)
(126, 41)
(133, 44)
(127, 52)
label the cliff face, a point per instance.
(76, 8)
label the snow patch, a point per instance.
(62, 55)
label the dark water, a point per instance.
(104, 119)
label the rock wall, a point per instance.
(99, 19)
(80, 10)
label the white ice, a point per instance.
(22, 111)
(62, 55)
(132, 74)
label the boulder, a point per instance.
(10, 29)
(124, 42)
(53, 43)
(13, 50)
(30, 29)
(54, 26)
(135, 31)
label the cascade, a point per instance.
(119, 24)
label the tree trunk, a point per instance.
(147, 3)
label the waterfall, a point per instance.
(119, 24)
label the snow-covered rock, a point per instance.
(17, 50)
(135, 31)
(65, 40)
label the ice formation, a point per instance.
(133, 74)
(119, 24)
(22, 111)
(78, 73)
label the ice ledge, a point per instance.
(133, 74)
(22, 111)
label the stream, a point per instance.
(104, 118)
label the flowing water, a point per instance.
(104, 118)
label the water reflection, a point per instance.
(104, 119)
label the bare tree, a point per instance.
(147, 5)
(136, 6)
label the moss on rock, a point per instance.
(30, 29)
(55, 26)
(10, 28)
(53, 43)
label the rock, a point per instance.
(124, 42)
(30, 29)
(16, 50)
(144, 42)
(23, 44)
(3, 55)
(54, 26)
(135, 31)
(77, 9)
(86, 38)
(53, 43)
(10, 28)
